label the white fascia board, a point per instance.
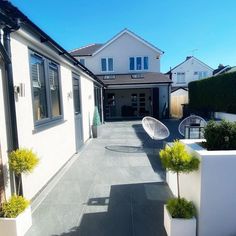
(134, 36)
(203, 64)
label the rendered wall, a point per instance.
(212, 189)
(189, 67)
(120, 50)
(54, 144)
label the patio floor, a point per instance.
(114, 187)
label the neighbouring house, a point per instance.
(221, 70)
(129, 66)
(47, 99)
(189, 70)
(224, 69)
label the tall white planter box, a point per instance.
(179, 227)
(212, 189)
(16, 226)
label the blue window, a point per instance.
(145, 63)
(104, 64)
(131, 63)
(139, 63)
(110, 64)
(107, 64)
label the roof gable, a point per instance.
(132, 35)
(187, 60)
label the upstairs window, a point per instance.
(180, 77)
(107, 64)
(82, 61)
(131, 63)
(145, 63)
(46, 89)
(138, 63)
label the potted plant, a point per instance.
(179, 214)
(15, 214)
(96, 123)
(212, 187)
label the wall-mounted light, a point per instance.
(20, 90)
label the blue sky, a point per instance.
(176, 26)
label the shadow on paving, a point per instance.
(131, 210)
(149, 146)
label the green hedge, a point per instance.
(214, 94)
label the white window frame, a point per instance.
(177, 78)
(107, 64)
(135, 64)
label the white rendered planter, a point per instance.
(178, 227)
(16, 226)
(212, 189)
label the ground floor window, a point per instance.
(46, 89)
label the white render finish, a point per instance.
(189, 67)
(177, 226)
(225, 116)
(121, 50)
(212, 190)
(16, 226)
(55, 143)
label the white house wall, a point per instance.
(121, 50)
(87, 92)
(163, 98)
(54, 144)
(189, 67)
(3, 132)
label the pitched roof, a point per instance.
(221, 69)
(188, 58)
(134, 78)
(86, 50)
(93, 49)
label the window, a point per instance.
(145, 63)
(76, 94)
(82, 61)
(107, 64)
(180, 77)
(201, 74)
(138, 63)
(131, 63)
(46, 89)
(39, 88)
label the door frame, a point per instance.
(77, 76)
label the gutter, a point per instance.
(9, 25)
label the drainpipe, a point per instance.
(10, 108)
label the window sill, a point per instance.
(48, 125)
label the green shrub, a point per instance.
(177, 159)
(220, 135)
(96, 117)
(214, 94)
(15, 206)
(22, 161)
(181, 208)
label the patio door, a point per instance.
(155, 103)
(77, 112)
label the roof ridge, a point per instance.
(86, 46)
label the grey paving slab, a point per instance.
(116, 186)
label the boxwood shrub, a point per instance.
(214, 94)
(220, 135)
